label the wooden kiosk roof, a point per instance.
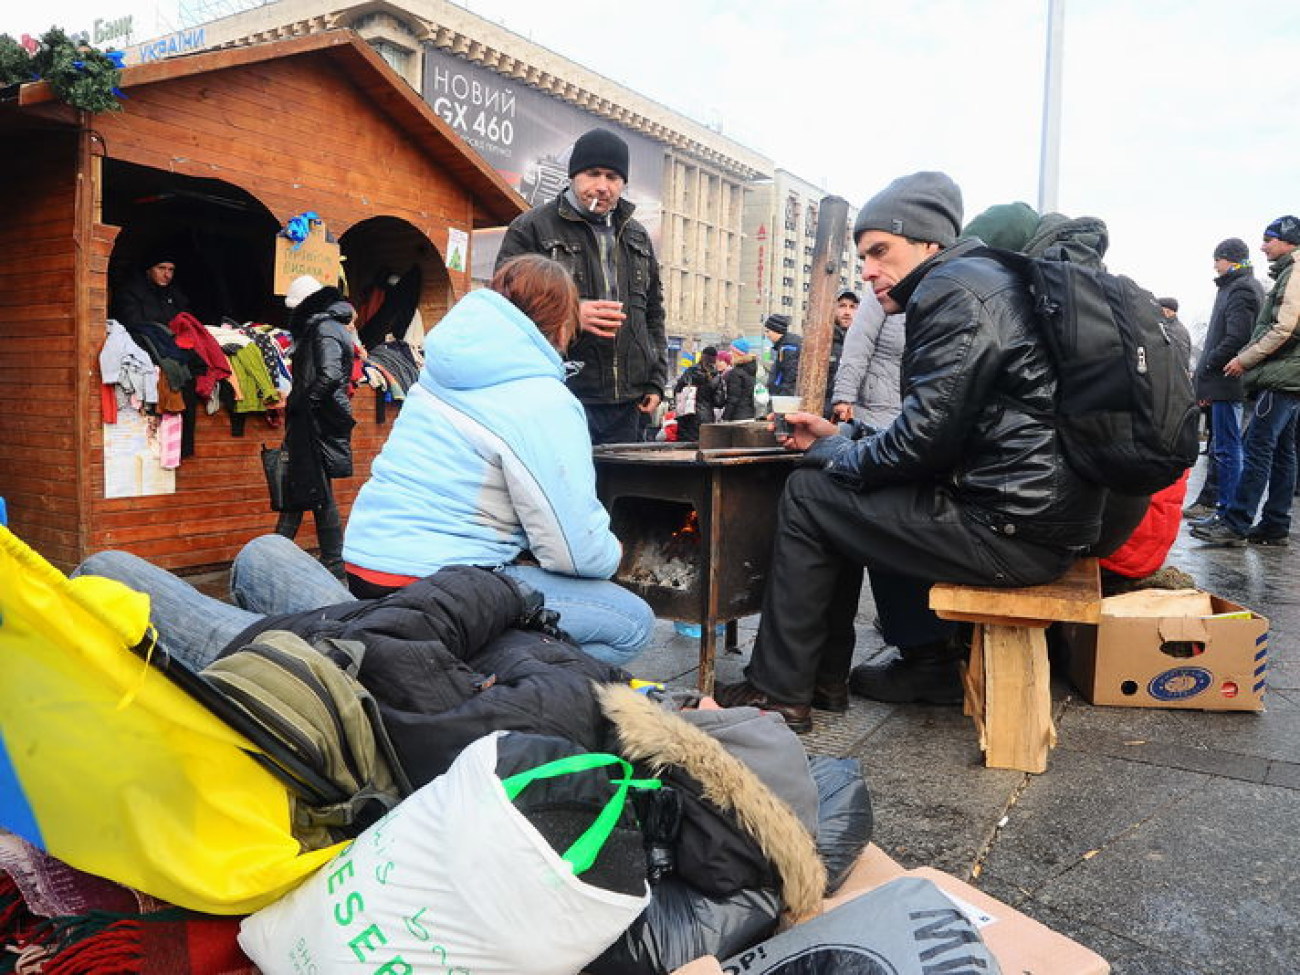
(495, 201)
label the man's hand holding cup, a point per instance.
(601, 317)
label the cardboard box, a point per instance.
(1163, 658)
(1021, 945)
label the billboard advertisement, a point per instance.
(526, 136)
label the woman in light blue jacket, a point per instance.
(489, 464)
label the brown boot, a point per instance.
(744, 694)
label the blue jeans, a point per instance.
(608, 622)
(272, 575)
(1225, 446)
(1269, 461)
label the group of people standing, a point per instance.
(1252, 348)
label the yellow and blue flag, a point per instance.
(109, 766)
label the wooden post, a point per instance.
(823, 284)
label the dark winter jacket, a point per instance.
(784, 374)
(318, 414)
(838, 335)
(447, 666)
(1236, 307)
(738, 388)
(634, 363)
(139, 300)
(978, 391)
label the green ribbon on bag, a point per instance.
(584, 850)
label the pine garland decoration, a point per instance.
(83, 76)
(15, 62)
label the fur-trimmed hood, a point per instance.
(647, 733)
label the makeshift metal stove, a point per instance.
(696, 527)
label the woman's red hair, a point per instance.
(544, 291)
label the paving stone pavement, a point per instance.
(1166, 840)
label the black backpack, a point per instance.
(1125, 408)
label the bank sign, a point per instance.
(526, 135)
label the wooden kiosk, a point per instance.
(217, 151)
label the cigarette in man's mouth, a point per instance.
(592, 205)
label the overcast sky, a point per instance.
(1180, 122)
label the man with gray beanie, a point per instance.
(968, 484)
(590, 230)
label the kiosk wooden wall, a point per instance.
(316, 123)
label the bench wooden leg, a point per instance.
(1012, 704)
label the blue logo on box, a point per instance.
(1180, 683)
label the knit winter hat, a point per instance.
(1006, 225)
(300, 288)
(1233, 249)
(599, 148)
(1284, 228)
(740, 345)
(709, 352)
(777, 323)
(925, 206)
(159, 254)
(1170, 303)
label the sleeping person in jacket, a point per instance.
(489, 464)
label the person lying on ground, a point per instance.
(489, 464)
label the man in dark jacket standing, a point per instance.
(1270, 363)
(968, 485)
(1236, 306)
(590, 230)
(846, 306)
(783, 377)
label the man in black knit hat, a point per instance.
(968, 485)
(1236, 306)
(590, 230)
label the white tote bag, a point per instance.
(453, 880)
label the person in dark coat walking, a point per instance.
(738, 383)
(318, 415)
(786, 346)
(694, 395)
(1236, 306)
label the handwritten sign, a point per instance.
(315, 255)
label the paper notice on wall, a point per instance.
(457, 248)
(131, 458)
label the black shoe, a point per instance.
(910, 678)
(744, 694)
(1218, 534)
(831, 697)
(1198, 510)
(1256, 537)
(1206, 522)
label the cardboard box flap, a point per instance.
(1158, 602)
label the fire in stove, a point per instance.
(662, 551)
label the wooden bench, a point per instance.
(1007, 681)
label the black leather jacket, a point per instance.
(634, 363)
(978, 393)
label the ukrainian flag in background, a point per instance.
(112, 768)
